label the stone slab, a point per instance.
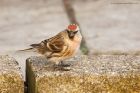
(11, 80)
(86, 74)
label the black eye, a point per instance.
(75, 32)
(68, 31)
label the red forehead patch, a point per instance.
(72, 27)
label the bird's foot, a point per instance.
(57, 66)
(63, 65)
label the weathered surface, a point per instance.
(11, 80)
(109, 25)
(96, 74)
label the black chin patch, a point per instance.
(71, 37)
(71, 34)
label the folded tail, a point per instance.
(29, 49)
(35, 45)
(32, 49)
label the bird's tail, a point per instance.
(28, 50)
(34, 48)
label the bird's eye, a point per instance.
(68, 31)
(75, 32)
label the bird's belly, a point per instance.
(71, 51)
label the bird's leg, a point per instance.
(63, 65)
(49, 64)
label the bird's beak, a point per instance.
(71, 35)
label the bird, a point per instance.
(60, 47)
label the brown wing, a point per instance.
(56, 43)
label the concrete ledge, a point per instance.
(11, 80)
(96, 74)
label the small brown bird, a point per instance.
(62, 46)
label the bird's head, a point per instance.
(72, 30)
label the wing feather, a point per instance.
(56, 43)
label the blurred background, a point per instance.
(108, 26)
